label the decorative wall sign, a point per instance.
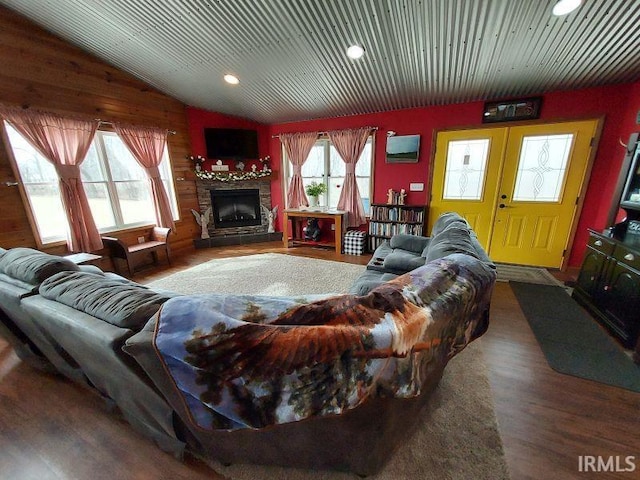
(403, 149)
(512, 110)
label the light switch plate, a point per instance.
(416, 187)
(638, 117)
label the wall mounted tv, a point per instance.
(231, 143)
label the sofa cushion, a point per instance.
(369, 280)
(126, 305)
(411, 243)
(454, 239)
(7, 280)
(91, 269)
(32, 266)
(401, 261)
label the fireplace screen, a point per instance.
(236, 208)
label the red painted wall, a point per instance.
(199, 119)
(618, 105)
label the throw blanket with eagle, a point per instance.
(243, 361)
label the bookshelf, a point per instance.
(389, 219)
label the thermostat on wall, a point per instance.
(416, 187)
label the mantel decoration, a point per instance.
(265, 163)
(233, 176)
(198, 160)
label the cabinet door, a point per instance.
(591, 271)
(622, 302)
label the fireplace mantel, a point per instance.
(236, 176)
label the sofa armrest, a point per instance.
(402, 262)
(115, 246)
(412, 243)
(160, 234)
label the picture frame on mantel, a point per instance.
(512, 110)
(403, 149)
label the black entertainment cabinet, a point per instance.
(609, 281)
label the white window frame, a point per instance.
(166, 173)
(325, 142)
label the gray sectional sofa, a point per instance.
(320, 382)
(451, 233)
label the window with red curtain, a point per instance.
(324, 165)
(116, 186)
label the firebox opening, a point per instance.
(236, 208)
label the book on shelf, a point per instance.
(388, 220)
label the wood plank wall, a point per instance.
(41, 71)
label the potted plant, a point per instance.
(314, 190)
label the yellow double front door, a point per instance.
(518, 187)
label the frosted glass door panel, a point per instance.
(542, 168)
(466, 169)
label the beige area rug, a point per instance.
(264, 274)
(458, 438)
(519, 273)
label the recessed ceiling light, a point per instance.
(355, 51)
(232, 79)
(565, 6)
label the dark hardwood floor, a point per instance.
(53, 429)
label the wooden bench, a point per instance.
(158, 240)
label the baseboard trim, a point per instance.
(224, 240)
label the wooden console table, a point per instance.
(297, 215)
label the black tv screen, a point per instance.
(231, 143)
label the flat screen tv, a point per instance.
(231, 143)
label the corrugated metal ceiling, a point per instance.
(290, 54)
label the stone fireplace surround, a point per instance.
(235, 235)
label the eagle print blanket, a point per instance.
(243, 361)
